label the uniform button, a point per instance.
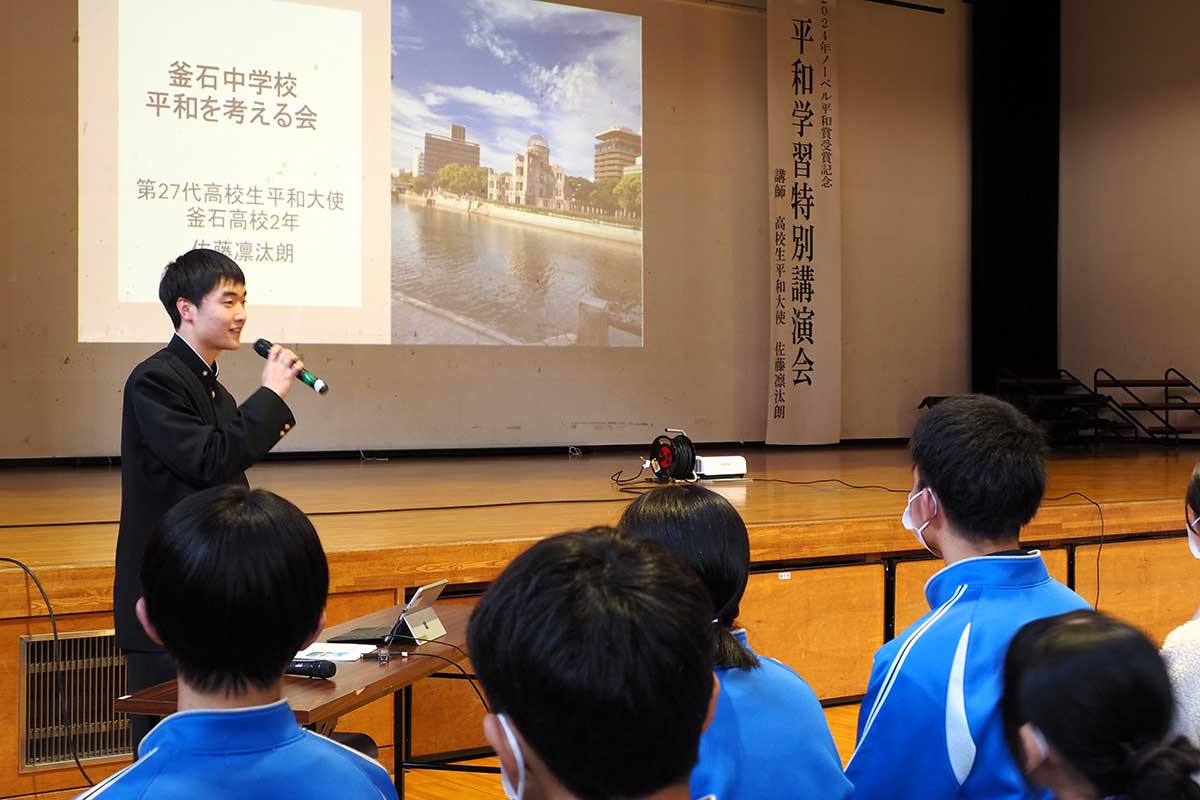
(281, 434)
(214, 395)
(287, 426)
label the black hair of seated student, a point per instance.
(1193, 493)
(704, 530)
(234, 581)
(984, 459)
(598, 648)
(1099, 692)
(193, 275)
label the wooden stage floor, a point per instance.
(467, 516)
(53, 516)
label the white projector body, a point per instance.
(708, 467)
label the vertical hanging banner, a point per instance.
(804, 398)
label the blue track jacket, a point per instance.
(768, 739)
(929, 727)
(243, 753)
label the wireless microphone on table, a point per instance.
(311, 668)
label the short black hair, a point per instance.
(1192, 498)
(701, 527)
(193, 275)
(985, 461)
(1099, 691)
(598, 647)
(234, 582)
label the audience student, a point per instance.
(595, 651)
(769, 736)
(1087, 710)
(234, 584)
(1181, 651)
(930, 726)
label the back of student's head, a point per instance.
(984, 461)
(701, 528)
(193, 275)
(598, 648)
(234, 582)
(1098, 692)
(1193, 494)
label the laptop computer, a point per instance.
(418, 622)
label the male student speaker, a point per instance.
(181, 432)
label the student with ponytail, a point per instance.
(769, 736)
(1087, 712)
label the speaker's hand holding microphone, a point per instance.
(282, 367)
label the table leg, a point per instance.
(408, 721)
(401, 728)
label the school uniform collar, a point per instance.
(242, 730)
(1004, 570)
(207, 373)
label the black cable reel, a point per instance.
(672, 458)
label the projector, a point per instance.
(709, 467)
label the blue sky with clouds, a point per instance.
(507, 69)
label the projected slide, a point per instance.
(236, 125)
(416, 172)
(516, 213)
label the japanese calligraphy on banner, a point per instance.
(804, 398)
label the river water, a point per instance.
(522, 280)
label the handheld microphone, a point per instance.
(263, 348)
(311, 668)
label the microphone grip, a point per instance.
(263, 348)
(309, 379)
(311, 668)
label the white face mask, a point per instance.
(509, 792)
(1193, 543)
(907, 521)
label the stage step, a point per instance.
(1144, 383)
(1038, 382)
(1157, 406)
(1163, 430)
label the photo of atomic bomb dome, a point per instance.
(517, 171)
